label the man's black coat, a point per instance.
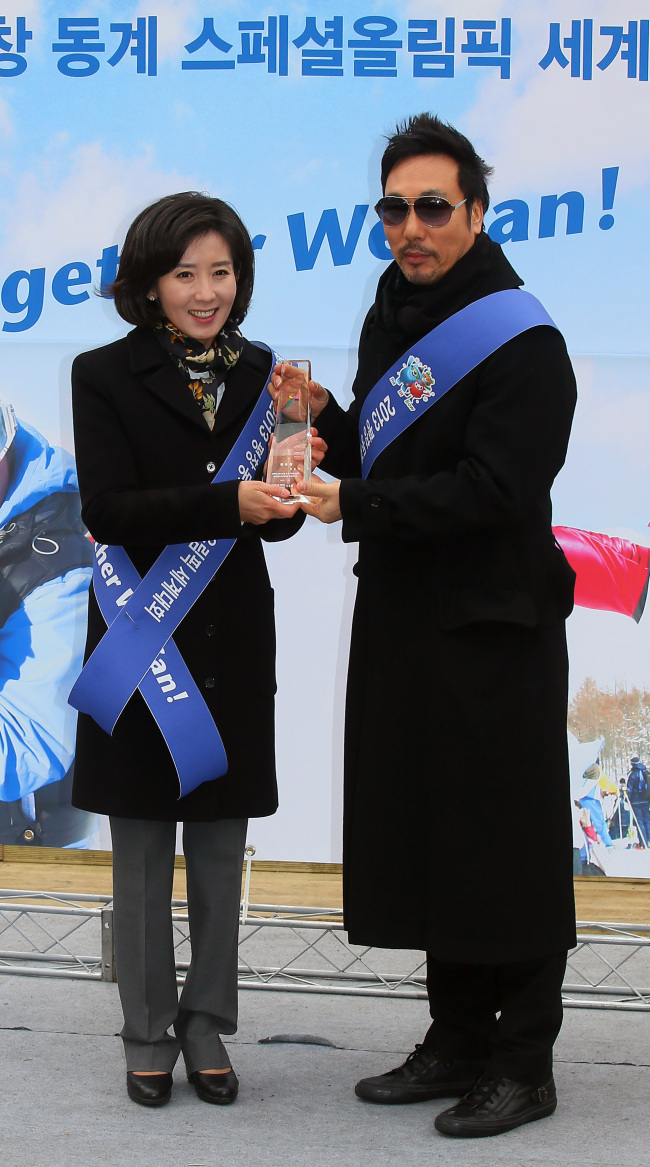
(145, 459)
(457, 833)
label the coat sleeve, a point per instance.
(277, 530)
(340, 428)
(514, 446)
(115, 508)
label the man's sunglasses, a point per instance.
(430, 210)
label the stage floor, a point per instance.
(64, 1100)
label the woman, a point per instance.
(155, 415)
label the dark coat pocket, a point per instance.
(471, 606)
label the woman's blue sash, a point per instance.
(142, 616)
(439, 361)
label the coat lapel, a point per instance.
(160, 377)
(243, 383)
(243, 386)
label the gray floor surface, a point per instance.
(63, 1100)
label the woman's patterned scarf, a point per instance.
(204, 368)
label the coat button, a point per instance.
(374, 502)
(210, 630)
(28, 836)
(209, 682)
(211, 467)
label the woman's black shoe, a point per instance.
(424, 1075)
(496, 1105)
(149, 1089)
(218, 1088)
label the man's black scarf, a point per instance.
(403, 312)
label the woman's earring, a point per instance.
(152, 298)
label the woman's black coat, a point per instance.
(457, 832)
(145, 459)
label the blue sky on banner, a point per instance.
(298, 154)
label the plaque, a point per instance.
(290, 445)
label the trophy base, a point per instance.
(294, 499)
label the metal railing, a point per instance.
(51, 934)
(296, 949)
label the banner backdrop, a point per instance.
(282, 110)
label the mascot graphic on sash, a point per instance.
(414, 382)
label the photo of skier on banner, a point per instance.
(45, 569)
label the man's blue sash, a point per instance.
(142, 616)
(439, 361)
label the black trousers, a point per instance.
(464, 1000)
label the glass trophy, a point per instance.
(290, 446)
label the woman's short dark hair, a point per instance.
(427, 134)
(158, 238)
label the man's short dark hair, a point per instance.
(427, 134)
(158, 238)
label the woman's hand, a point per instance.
(288, 381)
(324, 499)
(318, 448)
(258, 502)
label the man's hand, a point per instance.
(325, 496)
(318, 398)
(296, 452)
(288, 381)
(258, 502)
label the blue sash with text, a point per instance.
(438, 362)
(137, 652)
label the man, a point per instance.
(45, 570)
(619, 825)
(638, 792)
(458, 647)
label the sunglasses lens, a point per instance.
(432, 212)
(392, 211)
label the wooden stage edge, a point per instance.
(105, 859)
(612, 900)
